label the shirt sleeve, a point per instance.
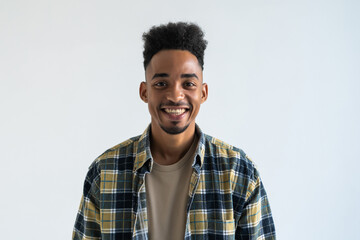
(87, 224)
(256, 220)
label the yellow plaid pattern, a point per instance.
(227, 199)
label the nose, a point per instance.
(175, 93)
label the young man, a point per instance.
(173, 181)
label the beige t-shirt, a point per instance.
(167, 193)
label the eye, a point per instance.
(160, 84)
(190, 84)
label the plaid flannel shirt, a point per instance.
(227, 199)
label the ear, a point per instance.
(204, 92)
(143, 92)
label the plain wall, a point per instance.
(284, 85)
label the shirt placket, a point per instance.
(194, 182)
(140, 219)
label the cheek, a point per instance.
(196, 99)
(153, 105)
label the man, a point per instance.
(173, 181)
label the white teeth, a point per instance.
(175, 111)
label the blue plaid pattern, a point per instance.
(227, 199)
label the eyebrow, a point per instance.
(189, 75)
(185, 75)
(156, 75)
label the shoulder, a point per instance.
(224, 159)
(113, 160)
(112, 156)
(229, 156)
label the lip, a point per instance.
(174, 117)
(175, 107)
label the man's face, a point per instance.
(174, 90)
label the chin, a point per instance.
(174, 130)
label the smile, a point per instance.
(177, 111)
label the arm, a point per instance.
(87, 225)
(256, 220)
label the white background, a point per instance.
(284, 85)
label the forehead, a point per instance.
(174, 62)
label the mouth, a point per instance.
(175, 111)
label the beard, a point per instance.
(175, 129)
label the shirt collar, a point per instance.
(144, 161)
(142, 151)
(200, 150)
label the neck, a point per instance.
(168, 149)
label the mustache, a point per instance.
(175, 104)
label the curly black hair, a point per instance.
(180, 35)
